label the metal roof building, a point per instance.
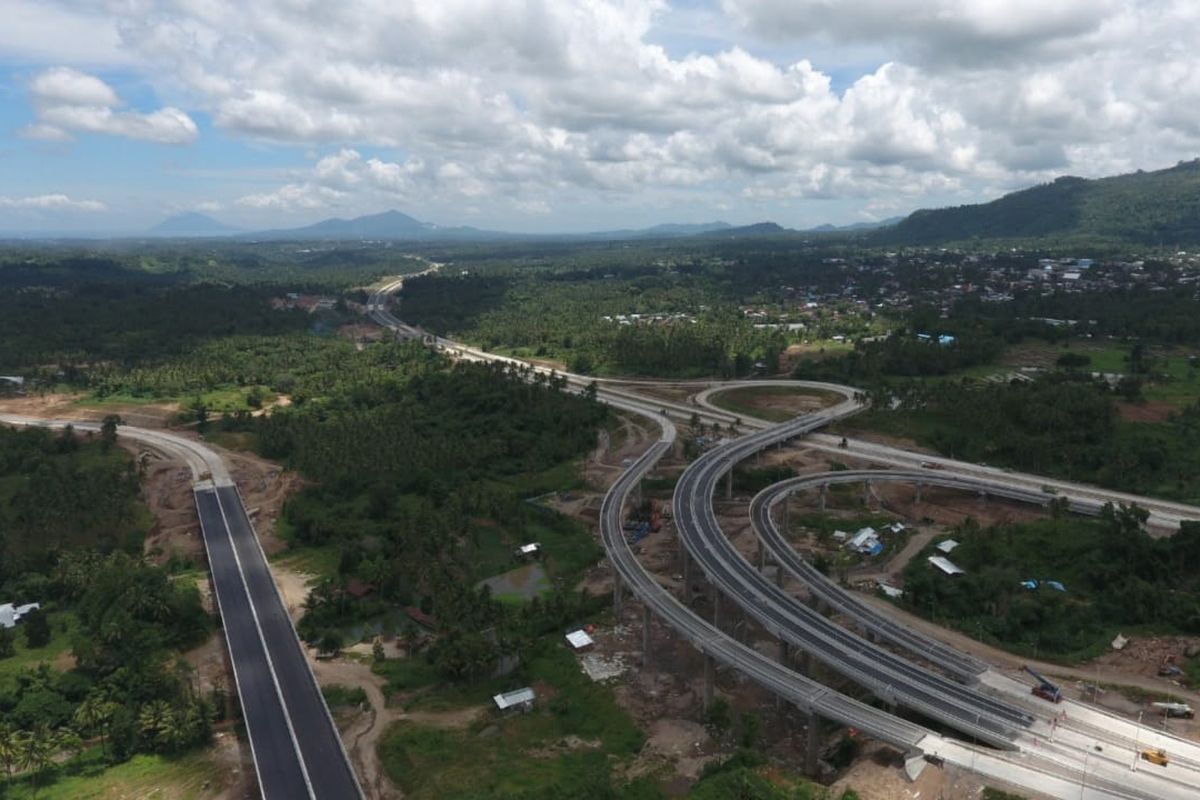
(946, 566)
(521, 698)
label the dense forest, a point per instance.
(1141, 208)
(421, 473)
(1165, 317)
(72, 537)
(641, 325)
(1116, 576)
(1065, 424)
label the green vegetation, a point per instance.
(122, 621)
(1143, 208)
(990, 793)
(564, 320)
(1063, 425)
(1117, 578)
(522, 756)
(754, 401)
(61, 490)
(422, 472)
(91, 777)
(338, 695)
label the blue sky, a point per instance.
(552, 115)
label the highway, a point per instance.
(888, 676)
(806, 694)
(295, 745)
(1062, 772)
(913, 642)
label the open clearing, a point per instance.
(773, 403)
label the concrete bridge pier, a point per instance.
(787, 505)
(717, 610)
(729, 484)
(617, 590)
(824, 494)
(709, 669)
(687, 576)
(867, 492)
(917, 499)
(812, 749)
(646, 619)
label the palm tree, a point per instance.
(36, 751)
(9, 750)
(93, 717)
(159, 725)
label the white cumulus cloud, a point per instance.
(51, 202)
(67, 100)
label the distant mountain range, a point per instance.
(191, 224)
(1143, 208)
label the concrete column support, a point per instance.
(824, 494)
(646, 619)
(762, 555)
(867, 492)
(779, 575)
(729, 485)
(687, 576)
(918, 497)
(709, 669)
(617, 597)
(787, 505)
(717, 609)
(812, 750)
(783, 652)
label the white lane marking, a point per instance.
(267, 652)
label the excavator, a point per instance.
(1045, 689)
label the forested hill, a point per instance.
(1142, 208)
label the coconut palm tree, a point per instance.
(9, 750)
(93, 716)
(36, 751)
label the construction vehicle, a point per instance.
(1169, 669)
(639, 533)
(1156, 756)
(1175, 710)
(1045, 689)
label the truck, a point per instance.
(1156, 756)
(1045, 689)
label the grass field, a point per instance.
(570, 740)
(319, 562)
(772, 403)
(146, 777)
(62, 628)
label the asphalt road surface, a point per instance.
(297, 749)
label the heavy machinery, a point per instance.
(1169, 669)
(1156, 756)
(1045, 689)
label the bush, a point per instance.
(36, 626)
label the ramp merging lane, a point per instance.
(887, 675)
